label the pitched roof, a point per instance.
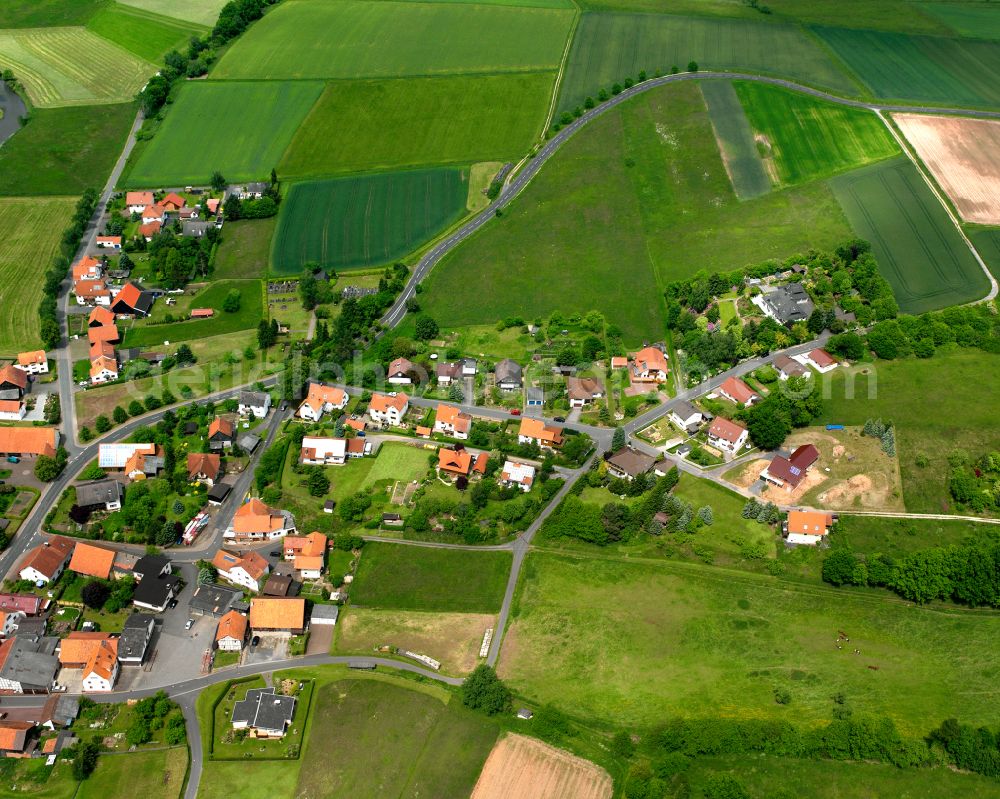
(25, 603)
(400, 366)
(726, 430)
(517, 472)
(205, 463)
(479, 466)
(173, 199)
(103, 363)
(256, 517)
(85, 267)
(536, 428)
(232, 625)
(79, 647)
(220, 425)
(101, 316)
(809, 522)
(508, 370)
(790, 367)
(273, 613)
(118, 454)
(102, 660)
(153, 211)
(455, 461)
(583, 388)
(92, 560)
(821, 358)
(142, 198)
(10, 406)
(738, 390)
(98, 492)
(28, 358)
(651, 359)
(14, 734)
(805, 456)
(108, 240)
(631, 461)
(28, 440)
(10, 374)
(619, 361)
(252, 563)
(380, 403)
(101, 349)
(451, 415)
(90, 288)
(308, 562)
(150, 229)
(107, 332)
(129, 295)
(310, 545)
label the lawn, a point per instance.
(425, 578)
(240, 129)
(735, 138)
(245, 249)
(146, 35)
(673, 639)
(200, 12)
(249, 314)
(396, 39)
(898, 537)
(930, 69)
(40, 13)
(975, 20)
(608, 48)
(226, 746)
(356, 125)
(34, 780)
(919, 250)
(152, 775)
(63, 151)
(29, 237)
(638, 197)
(899, 390)
(807, 138)
(265, 780)
(72, 66)
(365, 220)
(385, 739)
(453, 639)
(777, 777)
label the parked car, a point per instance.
(189, 624)
(558, 418)
(515, 411)
(255, 640)
(275, 553)
(172, 604)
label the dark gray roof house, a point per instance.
(686, 415)
(137, 632)
(195, 228)
(249, 442)
(264, 711)
(218, 492)
(154, 591)
(788, 303)
(508, 375)
(30, 665)
(211, 599)
(629, 463)
(104, 493)
(151, 566)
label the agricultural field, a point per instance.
(608, 48)
(63, 151)
(355, 126)
(425, 578)
(365, 220)
(637, 198)
(987, 243)
(30, 230)
(245, 249)
(804, 138)
(453, 639)
(199, 12)
(384, 739)
(919, 251)
(733, 638)
(43, 13)
(529, 769)
(898, 390)
(240, 129)
(929, 69)
(975, 20)
(962, 155)
(146, 35)
(72, 66)
(735, 139)
(396, 39)
(153, 775)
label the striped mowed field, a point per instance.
(365, 220)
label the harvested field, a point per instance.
(964, 157)
(529, 769)
(201, 12)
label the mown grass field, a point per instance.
(637, 198)
(249, 314)
(608, 48)
(264, 780)
(371, 739)
(807, 138)
(146, 35)
(763, 775)
(365, 220)
(897, 537)
(424, 578)
(667, 639)
(931, 69)
(40, 13)
(153, 775)
(200, 12)
(736, 142)
(63, 151)
(975, 20)
(395, 39)
(32, 778)
(356, 125)
(240, 129)
(29, 237)
(72, 66)
(962, 418)
(245, 249)
(919, 250)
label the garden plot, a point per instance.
(964, 157)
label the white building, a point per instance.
(318, 451)
(255, 403)
(388, 410)
(517, 474)
(726, 435)
(321, 399)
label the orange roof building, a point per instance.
(14, 735)
(135, 199)
(173, 202)
(87, 268)
(204, 466)
(461, 462)
(231, 632)
(108, 332)
(320, 399)
(32, 359)
(91, 560)
(309, 545)
(256, 521)
(100, 316)
(537, 430)
(28, 441)
(101, 669)
(807, 526)
(278, 614)
(77, 648)
(14, 376)
(220, 427)
(150, 229)
(735, 390)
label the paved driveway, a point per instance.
(270, 648)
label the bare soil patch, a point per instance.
(747, 475)
(529, 769)
(964, 156)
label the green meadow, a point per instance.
(736, 141)
(146, 35)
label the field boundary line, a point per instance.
(905, 146)
(570, 38)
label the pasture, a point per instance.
(63, 151)
(898, 537)
(929, 69)
(962, 155)
(638, 197)
(153, 775)
(807, 138)
(245, 249)
(365, 220)
(240, 129)
(919, 250)
(200, 12)
(735, 138)
(396, 39)
(42, 13)
(403, 577)
(529, 769)
(675, 639)
(383, 739)
(355, 126)
(30, 230)
(72, 66)
(608, 48)
(900, 390)
(146, 35)
(975, 20)
(222, 779)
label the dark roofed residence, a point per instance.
(628, 463)
(211, 599)
(789, 472)
(264, 713)
(100, 493)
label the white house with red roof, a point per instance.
(138, 200)
(33, 362)
(820, 360)
(400, 371)
(451, 421)
(735, 390)
(649, 365)
(153, 213)
(321, 399)
(109, 242)
(727, 435)
(517, 474)
(388, 409)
